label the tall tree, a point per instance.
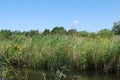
(92, 34)
(116, 28)
(106, 33)
(59, 30)
(34, 33)
(5, 34)
(72, 32)
(46, 32)
(83, 33)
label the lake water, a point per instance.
(35, 74)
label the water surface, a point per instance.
(35, 74)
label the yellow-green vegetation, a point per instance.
(51, 50)
(54, 51)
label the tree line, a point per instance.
(7, 34)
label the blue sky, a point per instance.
(89, 15)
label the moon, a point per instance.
(76, 21)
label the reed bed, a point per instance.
(51, 52)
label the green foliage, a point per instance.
(83, 33)
(34, 33)
(112, 55)
(59, 30)
(72, 32)
(82, 51)
(46, 32)
(92, 35)
(5, 34)
(105, 33)
(60, 74)
(116, 28)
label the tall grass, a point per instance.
(54, 51)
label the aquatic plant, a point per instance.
(53, 51)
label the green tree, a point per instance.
(83, 33)
(116, 28)
(34, 33)
(72, 32)
(59, 30)
(105, 33)
(92, 35)
(46, 32)
(17, 33)
(26, 33)
(5, 34)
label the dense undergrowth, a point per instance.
(54, 51)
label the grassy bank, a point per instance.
(54, 51)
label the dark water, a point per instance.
(35, 74)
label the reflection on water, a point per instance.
(34, 74)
